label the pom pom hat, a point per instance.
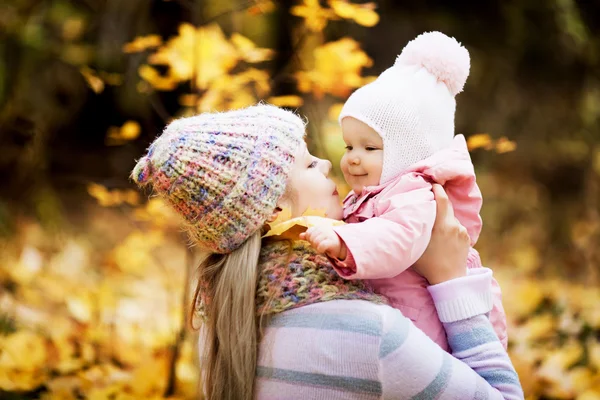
(223, 172)
(411, 105)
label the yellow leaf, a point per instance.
(92, 79)
(100, 193)
(286, 101)
(142, 43)
(315, 16)
(363, 14)
(129, 131)
(480, 140)
(525, 298)
(303, 222)
(538, 327)
(29, 265)
(248, 50)
(22, 350)
(503, 145)
(337, 69)
(157, 81)
(80, 308)
(284, 215)
(343, 8)
(366, 17)
(203, 53)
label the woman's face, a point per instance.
(309, 187)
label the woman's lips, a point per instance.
(335, 192)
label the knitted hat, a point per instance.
(411, 105)
(223, 172)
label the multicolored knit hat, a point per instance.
(223, 172)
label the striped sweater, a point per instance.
(354, 349)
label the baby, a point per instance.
(399, 135)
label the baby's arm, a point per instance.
(385, 246)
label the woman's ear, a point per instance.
(275, 214)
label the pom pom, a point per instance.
(142, 172)
(441, 55)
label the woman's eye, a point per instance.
(312, 164)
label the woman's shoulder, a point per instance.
(356, 316)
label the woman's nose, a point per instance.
(325, 166)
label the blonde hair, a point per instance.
(230, 329)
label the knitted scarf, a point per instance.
(293, 275)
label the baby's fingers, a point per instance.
(324, 245)
(308, 234)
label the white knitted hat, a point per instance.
(411, 105)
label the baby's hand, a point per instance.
(325, 240)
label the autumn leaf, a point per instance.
(129, 131)
(362, 14)
(235, 91)
(142, 43)
(92, 79)
(315, 16)
(503, 145)
(337, 71)
(310, 217)
(202, 53)
(480, 140)
(248, 51)
(109, 198)
(157, 80)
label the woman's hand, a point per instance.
(446, 255)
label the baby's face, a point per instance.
(363, 160)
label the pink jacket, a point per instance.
(396, 223)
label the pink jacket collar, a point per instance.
(440, 167)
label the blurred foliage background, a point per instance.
(93, 276)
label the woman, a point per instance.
(279, 322)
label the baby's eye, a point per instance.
(312, 164)
(369, 148)
(348, 147)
